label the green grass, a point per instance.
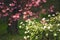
(4, 35)
(11, 37)
(3, 28)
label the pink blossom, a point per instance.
(20, 10)
(25, 17)
(38, 1)
(7, 9)
(16, 16)
(30, 13)
(52, 6)
(33, 3)
(6, 14)
(30, 5)
(0, 3)
(3, 11)
(14, 1)
(51, 10)
(24, 13)
(26, 5)
(44, 1)
(36, 5)
(1, 6)
(12, 4)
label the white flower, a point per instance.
(45, 24)
(26, 32)
(28, 36)
(44, 27)
(58, 24)
(59, 16)
(55, 34)
(53, 14)
(48, 27)
(36, 37)
(47, 20)
(28, 20)
(33, 23)
(27, 28)
(55, 17)
(50, 30)
(49, 15)
(46, 34)
(43, 18)
(19, 26)
(21, 23)
(24, 12)
(32, 33)
(57, 12)
(59, 30)
(25, 37)
(50, 24)
(41, 27)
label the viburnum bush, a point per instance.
(44, 29)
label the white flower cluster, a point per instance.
(26, 37)
(21, 24)
(26, 32)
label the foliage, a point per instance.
(44, 29)
(35, 24)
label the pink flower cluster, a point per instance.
(51, 9)
(21, 7)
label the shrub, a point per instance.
(44, 29)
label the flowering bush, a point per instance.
(44, 29)
(13, 10)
